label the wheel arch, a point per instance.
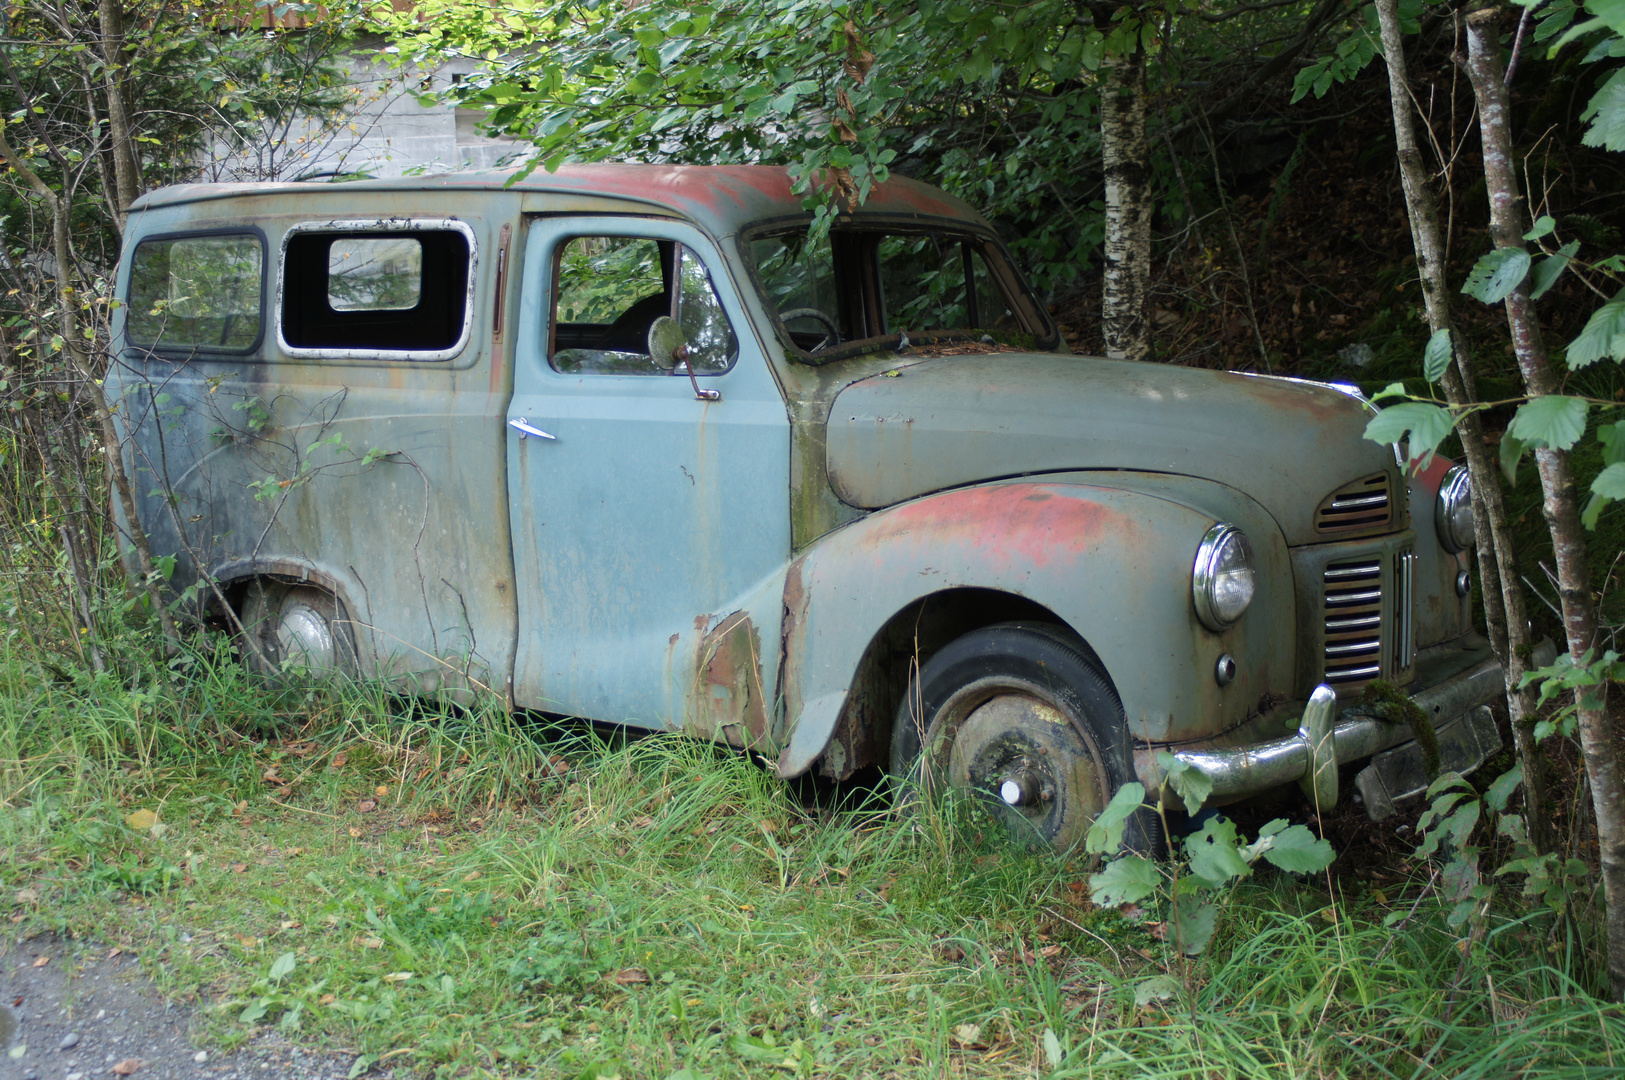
(237, 576)
(904, 643)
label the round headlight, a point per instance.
(1222, 582)
(1453, 513)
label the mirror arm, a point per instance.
(680, 355)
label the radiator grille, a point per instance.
(1364, 504)
(1353, 613)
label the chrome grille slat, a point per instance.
(1352, 605)
(1367, 503)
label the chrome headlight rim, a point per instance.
(1210, 554)
(1455, 490)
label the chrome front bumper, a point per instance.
(1325, 741)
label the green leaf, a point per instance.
(1156, 988)
(1393, 389)
(1427, 425)
(1612, 437)
(255, 1011)
(282, 967)
(1606, 112)
(1436, 357)
(1106, 834)
(1496, 274)
(1549, 269)
(1603, 336)
(1125, 879)
(1542, 227)
(1197, 921)
(1502, 787)
(1297, 851)
(1511, 450)
(1052, 1049)
(1214, 854)
(1190, 783)
(1552, 420)
(1609, 486)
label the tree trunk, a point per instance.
(126, 166)
(1127, 155)
(1560, 502)
(1505, 614)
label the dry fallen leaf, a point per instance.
(247, 942)
(42, 961)
(127, 1066)
(27, 896)
(354, 831)
(338, 760)
(294, 851)
(141, 820)
(631, 976)
(239, 868)
(1050, 950)
(271, 777)
(471, 875)
(367, 806)
(968, 1036)
(397, 976)
(326, 999)
(372, 943)
(381, 790)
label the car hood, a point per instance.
(953, 420)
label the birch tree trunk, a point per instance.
(1560, 502)
(1505, 613)
(1126, 154)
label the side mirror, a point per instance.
(666, 344)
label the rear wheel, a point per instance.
(1018, 715)
(298, 627)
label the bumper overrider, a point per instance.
(1454, 702)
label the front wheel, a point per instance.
(1017, 714)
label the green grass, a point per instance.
(467, 895)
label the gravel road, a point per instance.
(70, 1010)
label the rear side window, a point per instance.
(381, 290)
(197, 293)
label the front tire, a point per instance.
(1018, 714)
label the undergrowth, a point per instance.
(465, 893)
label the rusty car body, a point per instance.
(863, 509)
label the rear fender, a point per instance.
(1111, 562)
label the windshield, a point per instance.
(861, 283)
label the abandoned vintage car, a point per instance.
(632, 443)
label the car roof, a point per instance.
(722, 199)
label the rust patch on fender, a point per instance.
(728, 703)
(1010, 524)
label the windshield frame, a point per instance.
(1024, 305)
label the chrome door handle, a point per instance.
(524, 427)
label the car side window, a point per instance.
(196, 293)
(610, 289)
(388, 289)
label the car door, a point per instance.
(650, 525)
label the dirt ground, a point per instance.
(73, 1010)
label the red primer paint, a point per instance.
(1030, 524)
(1430, 478)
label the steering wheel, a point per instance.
(831, 338)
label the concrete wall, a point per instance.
(387, 132)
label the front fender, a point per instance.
(1112, 562)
